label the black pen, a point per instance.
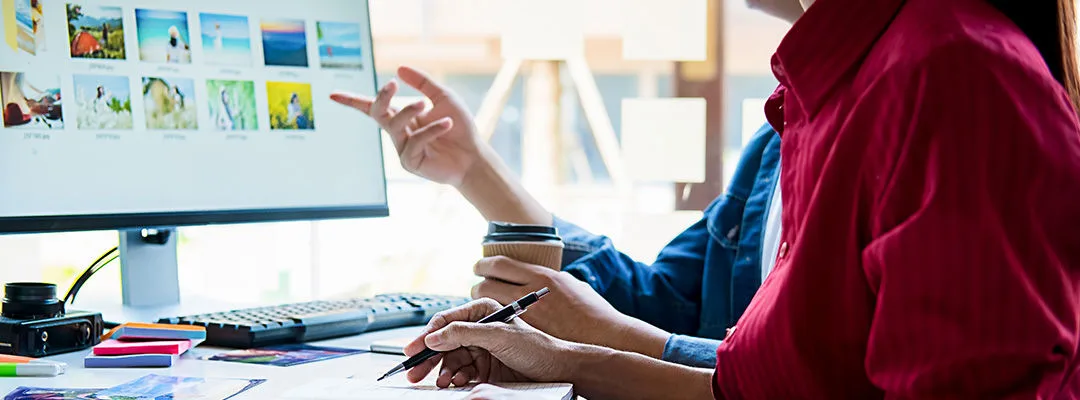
(506, 314)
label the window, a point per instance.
(431, 240)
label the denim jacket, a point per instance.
(702, 281)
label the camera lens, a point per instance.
(30, 300)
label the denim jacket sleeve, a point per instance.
(666, 294)
(691, 351)
(669, 293)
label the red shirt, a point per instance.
(931, 225)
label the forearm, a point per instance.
(640, 337)
(492, 188)
(602, 373)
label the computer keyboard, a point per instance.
(316, 320)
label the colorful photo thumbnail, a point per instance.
(25, 23)
(163, 36)
(95, 32)
(291, 106)
(102, 102)
(340, 45)
(31, 100)
(170, 103)
(284, 43)
(232, 105)
(226, 39)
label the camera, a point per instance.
(34, 324)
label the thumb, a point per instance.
(490, 337)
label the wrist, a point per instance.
(581, 359)
(494, 190)
(592, 369)
(483, 172)
(643, 338)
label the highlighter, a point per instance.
(30, 369)
(9, 359)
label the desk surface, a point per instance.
(279, 379)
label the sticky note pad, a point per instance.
(141, 331)
(116, 347)
(130, 361)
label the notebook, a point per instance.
(115, 347)
(365, 389)
(130, 361)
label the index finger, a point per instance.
(422, 82)
(471, 312)
(362, 103)
(510, 270)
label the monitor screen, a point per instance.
(146, 113)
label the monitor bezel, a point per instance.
(123, 221)
(74, 223)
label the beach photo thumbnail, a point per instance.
(25, 23)
(226, 39)
(284, 43)
(232, 105)
(95, 32)
(163, 36)
(291, 105)
(170, 103)
(31, 100)
(102, 102)
(340, 45)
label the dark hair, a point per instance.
(1051, 26)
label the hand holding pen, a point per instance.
(503, 315)
(490, 353)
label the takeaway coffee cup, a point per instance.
(533, 244)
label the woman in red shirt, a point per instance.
(931, 182)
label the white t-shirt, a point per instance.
(771, 242)
(176, 53)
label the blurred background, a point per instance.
(639, 58)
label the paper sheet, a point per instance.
(362, 389)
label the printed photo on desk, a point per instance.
(284, 355)
(40, 393)
(160, 387)
(96, 32)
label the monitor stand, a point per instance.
(148, 267)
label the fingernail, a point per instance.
(433, 340)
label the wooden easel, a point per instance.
(543, 139)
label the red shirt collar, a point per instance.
(826, 43)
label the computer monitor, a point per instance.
(145, 115)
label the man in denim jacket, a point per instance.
(676, 309)
(701, 283)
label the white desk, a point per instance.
(279, 379)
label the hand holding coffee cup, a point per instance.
(533, 244)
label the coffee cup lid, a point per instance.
(511, 231)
